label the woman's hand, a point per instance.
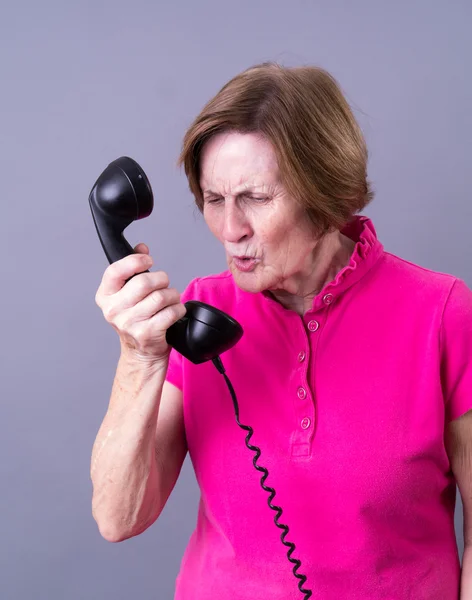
(142, 309)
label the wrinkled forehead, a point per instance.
(234, 161)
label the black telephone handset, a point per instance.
(122, 194)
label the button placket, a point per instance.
(304, 404)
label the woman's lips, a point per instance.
(244, 264)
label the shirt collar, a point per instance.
(366, 253)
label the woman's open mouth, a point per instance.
(245, 263)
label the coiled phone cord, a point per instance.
(307, 593)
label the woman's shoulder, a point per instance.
(211, 284)
(218, 289)
(415, 279)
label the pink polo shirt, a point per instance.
(348, 405)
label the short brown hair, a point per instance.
(321, 152)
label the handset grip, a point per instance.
(110, 233)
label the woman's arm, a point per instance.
(138, 451)
(458, 440)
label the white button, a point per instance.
(313, 325)
(301, 393)
(305, 423)
(328, 298)
(301, 356)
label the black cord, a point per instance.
(307, 593)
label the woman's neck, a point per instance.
(330, 256)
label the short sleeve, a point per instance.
(174, 370)
(456, 351)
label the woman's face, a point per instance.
(267, 237)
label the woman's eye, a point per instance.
(258, 198)
(245, 196)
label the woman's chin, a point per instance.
(249, 282)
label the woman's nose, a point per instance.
(236, 226)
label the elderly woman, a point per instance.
(354, 371)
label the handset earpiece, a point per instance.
(123, 194)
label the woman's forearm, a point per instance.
(466, 574)
(124, 474)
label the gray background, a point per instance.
(85, 82)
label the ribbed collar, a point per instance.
(366, 253)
